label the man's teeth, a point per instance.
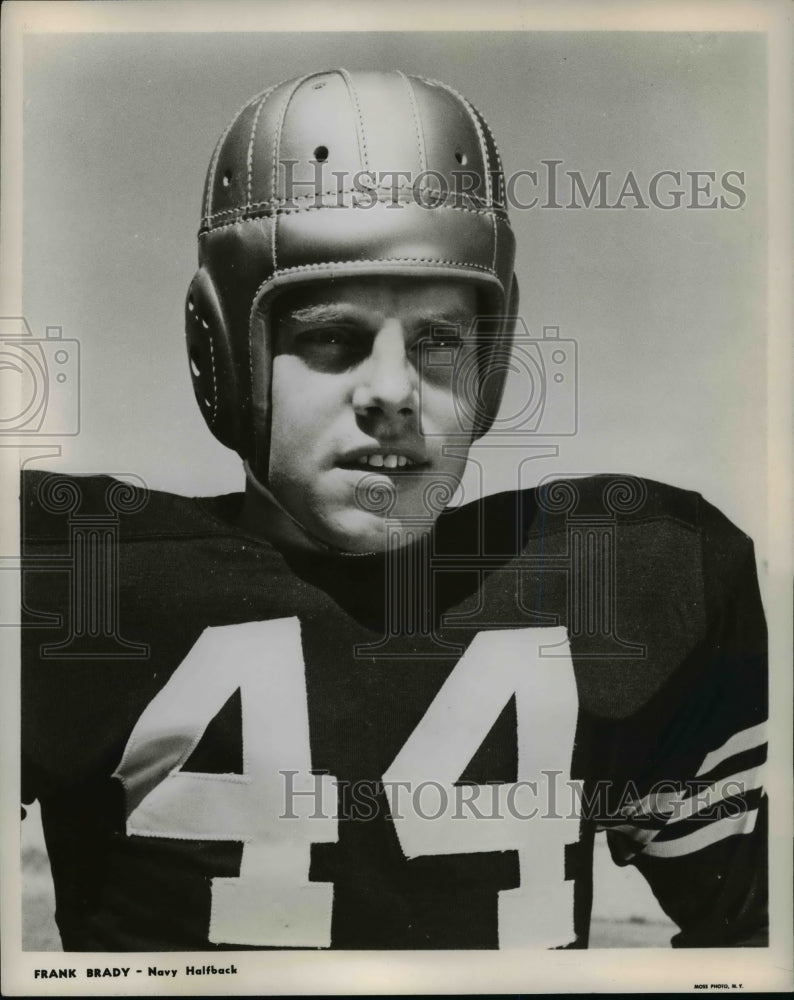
(379, 461)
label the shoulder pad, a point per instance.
(50, 501)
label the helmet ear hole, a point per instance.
(210, 360)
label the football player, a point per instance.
(332, 712)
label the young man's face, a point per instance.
(361, 411)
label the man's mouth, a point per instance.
(392, 461)
(386, 461)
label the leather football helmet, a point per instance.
(337, 174)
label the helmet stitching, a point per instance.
(216, 153)
(417, 122)
(282, 209)
(362, 136)
(216, 263)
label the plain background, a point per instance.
(667, 307)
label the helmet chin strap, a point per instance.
(305, 535)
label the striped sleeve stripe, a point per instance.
(736, 784)
(708, 834)
(672, 806)
(659, 804)
(747, 739)
(687, 808)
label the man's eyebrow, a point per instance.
(456, 318)
(323, 313)
(337, 313)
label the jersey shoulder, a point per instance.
(513, 521)
(50, 500)
(671, 527)
(654, 584)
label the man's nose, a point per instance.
(387, 385)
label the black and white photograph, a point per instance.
(396, 434)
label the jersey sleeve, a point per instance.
(697, 827)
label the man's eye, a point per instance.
(329, 348)
(331, 337)
(448, 337)
(430, 347)
(447, 340)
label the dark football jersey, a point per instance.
(235, 747)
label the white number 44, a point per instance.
(272, 902)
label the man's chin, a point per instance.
(362, 533)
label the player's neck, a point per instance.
(264, 516)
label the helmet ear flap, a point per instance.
(212, 364)
(495, 360)
(514, 300)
